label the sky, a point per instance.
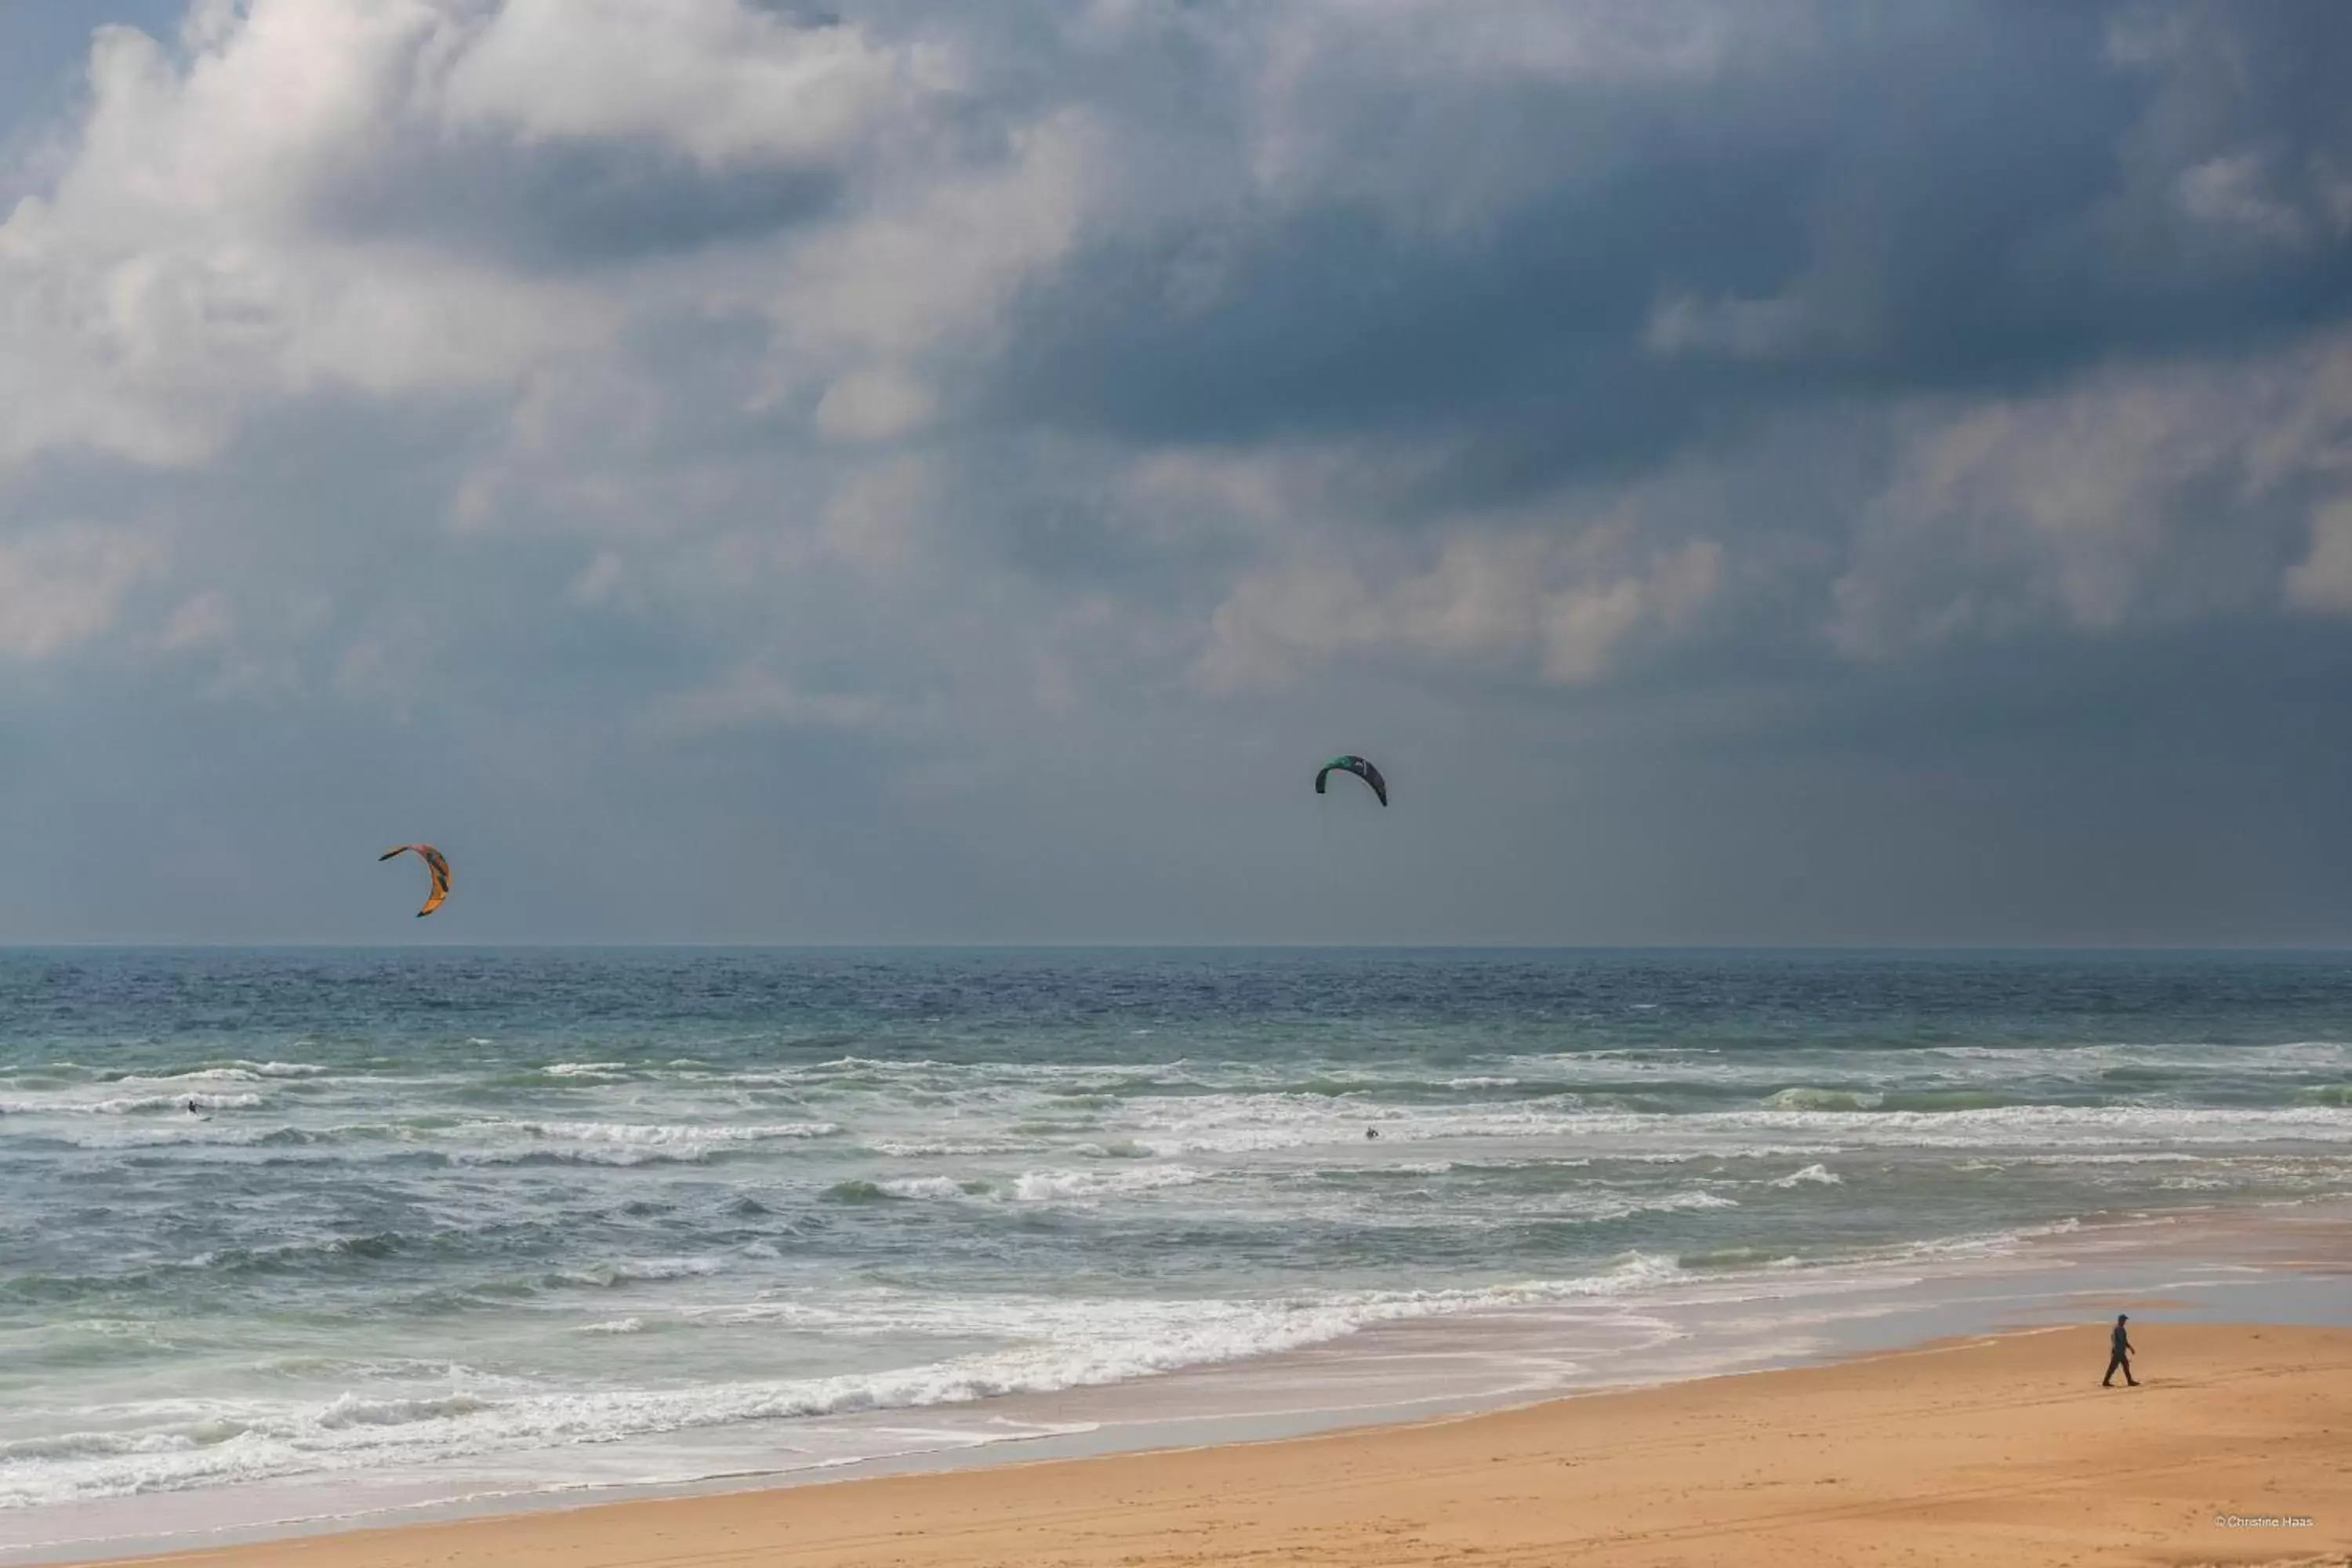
(1764, 472)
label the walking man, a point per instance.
(2119, 1353)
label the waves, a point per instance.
(1044, 1186)
(128, 1104)
(1230, 1125)
(268, 1219)
(1075, 1344)
(1059, 1345)
(1026, 1187)
(497, 1141)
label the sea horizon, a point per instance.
(1988, 949)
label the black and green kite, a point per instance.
(1360, 768)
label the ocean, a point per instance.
(306, 1233)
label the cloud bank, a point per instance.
(1751, 469)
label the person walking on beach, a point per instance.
(2119, 1353)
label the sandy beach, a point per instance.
(2237, 1448)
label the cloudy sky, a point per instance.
(1750, 470)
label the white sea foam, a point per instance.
(1050, 1186)
(921, 1187)
(1237, 1124)
(128, 1104)
(1817, 1175)
(643, 1269)
(660, 1135)
(1063, 1344)
(1807, 1098)
(1690, 1200)
(1243, 1124)
(2092, 1125)
(235, 1069)
(243, 1069)
(201, 1101)
(1708, 1149)
(352, 1410)
(1246, 1128)
(898, 1149)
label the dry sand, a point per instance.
(2002, 1451)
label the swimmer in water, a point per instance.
(1371, 1132)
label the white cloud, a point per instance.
(2322, 580)
(1737, 328)
(2235, 191)
(604, 581)
(754, 697)
(201, 621)
(189, 264)
(63, 585)
(1564, 604)
(173, 278)
(1584, 627)
(934, 259)
(720, 80)
(873, 405)
(2133, 495)
(875, 517)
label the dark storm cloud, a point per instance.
(558, 208)
(1941, 199)
(1344, 318)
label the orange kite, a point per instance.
(440, 868)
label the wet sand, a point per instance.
(1990, 1450)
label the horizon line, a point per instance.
(2314, 946)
